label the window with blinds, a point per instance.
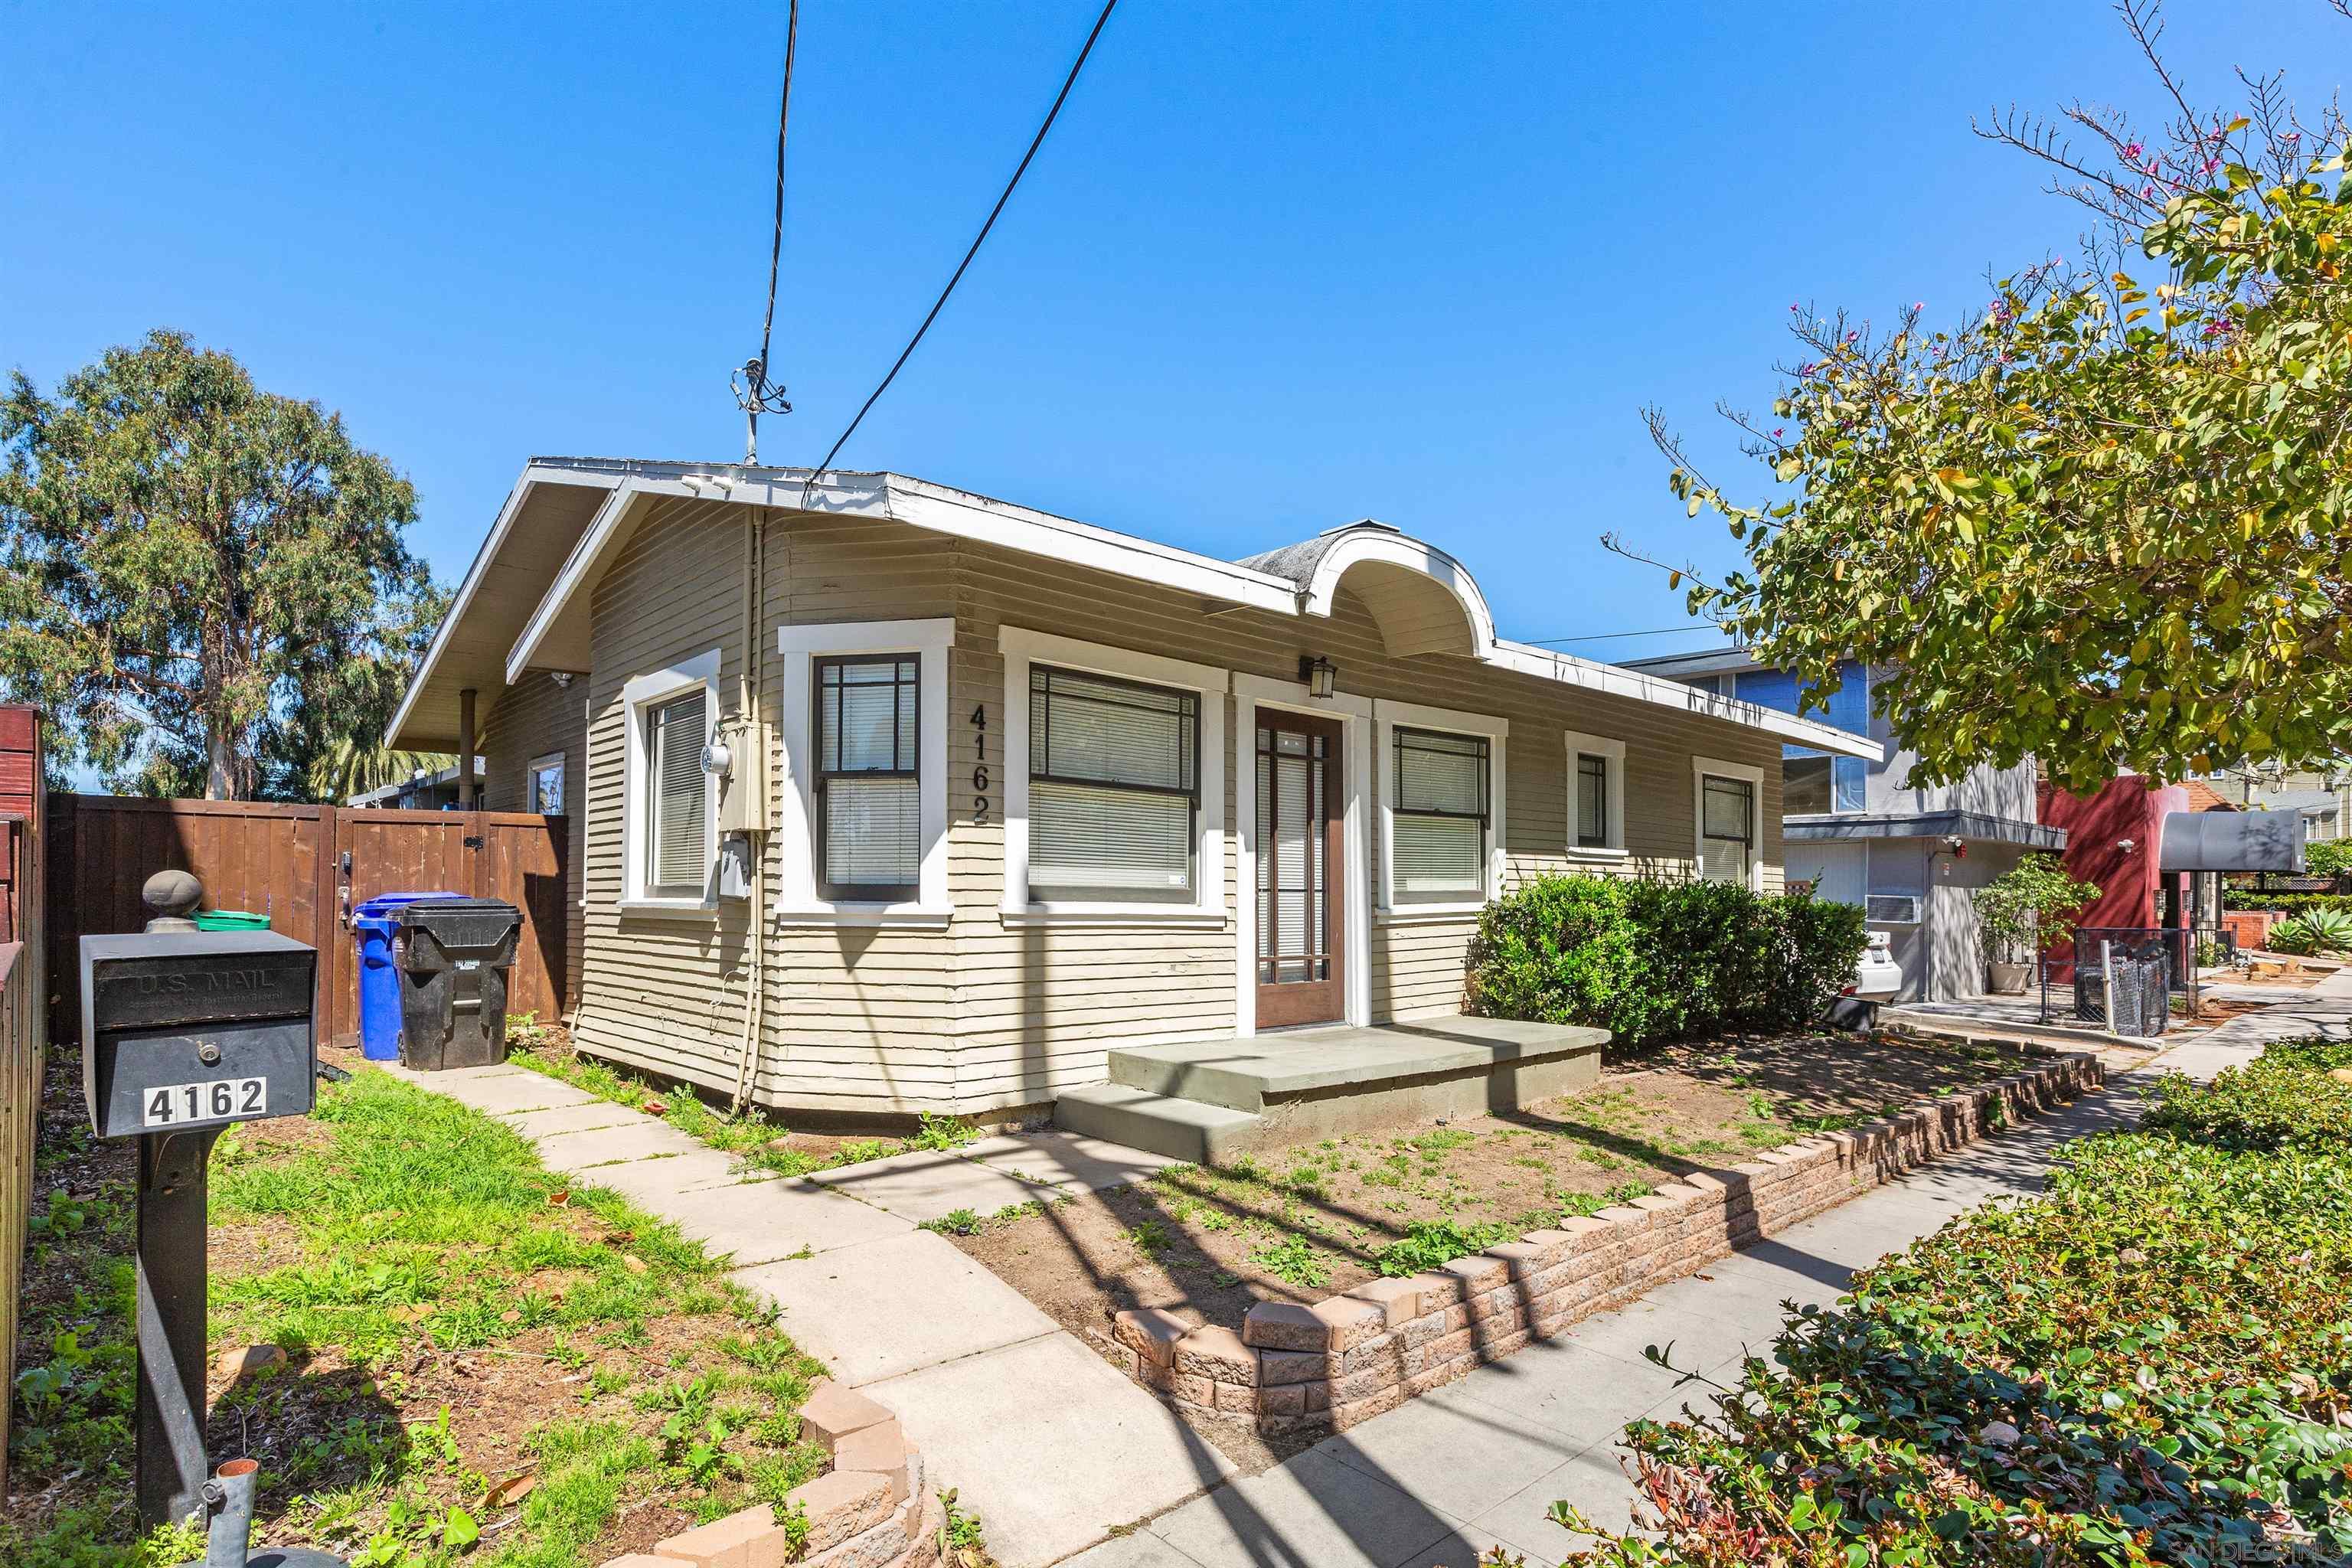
(1727, 829)
(678, 814)
(1591, 802)
(870, 819)
(1113, 788)
(1439, 818)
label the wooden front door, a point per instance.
(1300, 868)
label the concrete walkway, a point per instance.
(1041, 1436)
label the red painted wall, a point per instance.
(2096, 826)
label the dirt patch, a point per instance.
(1311, 1220)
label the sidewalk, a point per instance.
(1041, 1436)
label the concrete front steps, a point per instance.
(1209, 1100)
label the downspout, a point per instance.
(756, 756)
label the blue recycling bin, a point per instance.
(374, 923)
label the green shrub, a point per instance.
(2149, 1363)
(1654, 961)
(2282, 1100)
(2284, 904)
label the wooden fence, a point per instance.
(23, 1028)
(307, 867)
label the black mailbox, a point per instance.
(193, 1030)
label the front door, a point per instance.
(1301, 867)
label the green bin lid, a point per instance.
(231, 920)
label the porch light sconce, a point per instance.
(1316, 674)
(563, 679)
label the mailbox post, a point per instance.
(185, 1033)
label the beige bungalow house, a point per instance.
(887, 797)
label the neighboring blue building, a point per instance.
(1863, 833)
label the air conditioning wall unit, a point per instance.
(1891, 909)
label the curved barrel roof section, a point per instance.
(1424, 600)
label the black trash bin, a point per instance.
(453, 955)
(2142, 988)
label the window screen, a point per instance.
(1439, 815)
(1726, 829)
(869, 802)
(1591, 802)
(677, 860)
(1113, 787)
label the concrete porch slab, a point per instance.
(1245, 1074)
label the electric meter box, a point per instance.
(196, 1030)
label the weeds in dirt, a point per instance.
(411, 1237)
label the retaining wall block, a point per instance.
(1216, 1354)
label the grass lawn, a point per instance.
(1305, 1222)
(753, 1138)
(465, 1356)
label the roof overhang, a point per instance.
(544, 515)
(2230, 841)
(542, 559)
(1979, 826)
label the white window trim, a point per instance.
(530, 781)
(1612, 753)
(1388, 717)
(1701, 768)
(798, 901)
(638, 693)
(1021, 648)
(1252, 692)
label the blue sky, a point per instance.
(1280, 267)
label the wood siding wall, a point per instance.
(535, 719)
(981, 1015)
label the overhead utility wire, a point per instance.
(1035, 143)
(754, 393)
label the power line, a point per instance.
(754, 393)
(1604, 637)
(1035, 143)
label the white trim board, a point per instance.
(1252, 692)
(637, 693)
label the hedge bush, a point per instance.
(2284, 903)
(2282, 1100)
(2149, 1362)
(1654, 961)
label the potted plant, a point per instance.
(2021, 912)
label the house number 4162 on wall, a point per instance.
(980, 766)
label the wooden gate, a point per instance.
(307, 867)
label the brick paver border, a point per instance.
(1361, 1354)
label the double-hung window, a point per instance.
(1591, 801)
(869, 820)
(546, 785)
(1441, 816)
(1728, 798)
(1113, 788)
(677, 805)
